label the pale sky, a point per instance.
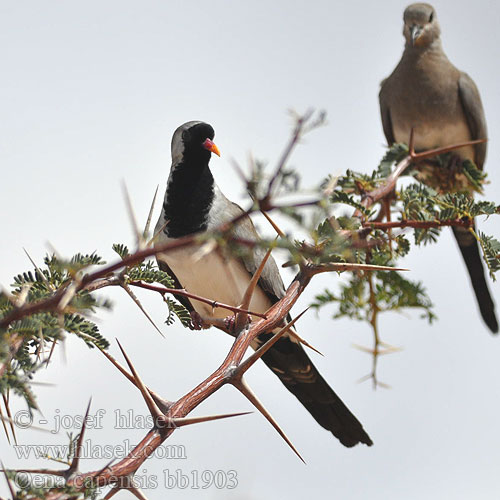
(91, 94)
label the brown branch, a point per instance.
(294, 139)
(183, 293)
(78, 448)
(103, 283)
(348, 266)
(5, 397)
(223, 375)
(374, 324)
(163, 404)
(51, 302)
(418, 224)
(101, 277)
(424, 155)
(242, 318)
(385, 189)
(228, 372)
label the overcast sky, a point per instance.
(91, 93)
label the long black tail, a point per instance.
(470, 252)
(291, 364)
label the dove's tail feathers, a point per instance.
(470, 252)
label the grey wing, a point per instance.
(287, 359)
(474, 113)
(385, 114)
(270, 280)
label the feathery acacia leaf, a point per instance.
(149, 273)
(177, 310)
(394, 154)
(475, 176)
(491, 251)
(121, 249)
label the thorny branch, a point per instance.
(419, 224)
(388, 186)
(168, 416)
(384, 194)
(183, 293)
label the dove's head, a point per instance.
(421, 27)
(193, 141)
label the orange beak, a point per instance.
(211, 146)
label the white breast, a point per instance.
(214, 277)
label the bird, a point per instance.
(428, 94)
(194, 204)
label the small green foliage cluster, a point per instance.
(416, 202)
(38, 332)
(27, 343)
(391, 292)
(148, 272)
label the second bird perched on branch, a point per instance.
(442, 105)
(194, 204)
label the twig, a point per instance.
(418, 224)
(225, 374)
(384, 190)
(183, 293)
(294, 139)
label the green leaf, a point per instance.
(177, 310)
(491, 253)
(86, 330)
(347, 199)
(475, 176)
(149, 273)
(121, 250)
(392, 292)
(396, 153)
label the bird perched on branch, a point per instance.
(194, 204)
(442, 104)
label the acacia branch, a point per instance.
(387, 187)
(418, 224)
(390, 183)
(297, 133)
(183, 293)
(104, 277)
(229, 372)
(223, 375)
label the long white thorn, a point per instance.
(245, 365)
(150, 215)
(182, 421)
(132, 217)
(140, 306)
(49, 285)
(242, 386)
(241, 318)
(156, 413)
